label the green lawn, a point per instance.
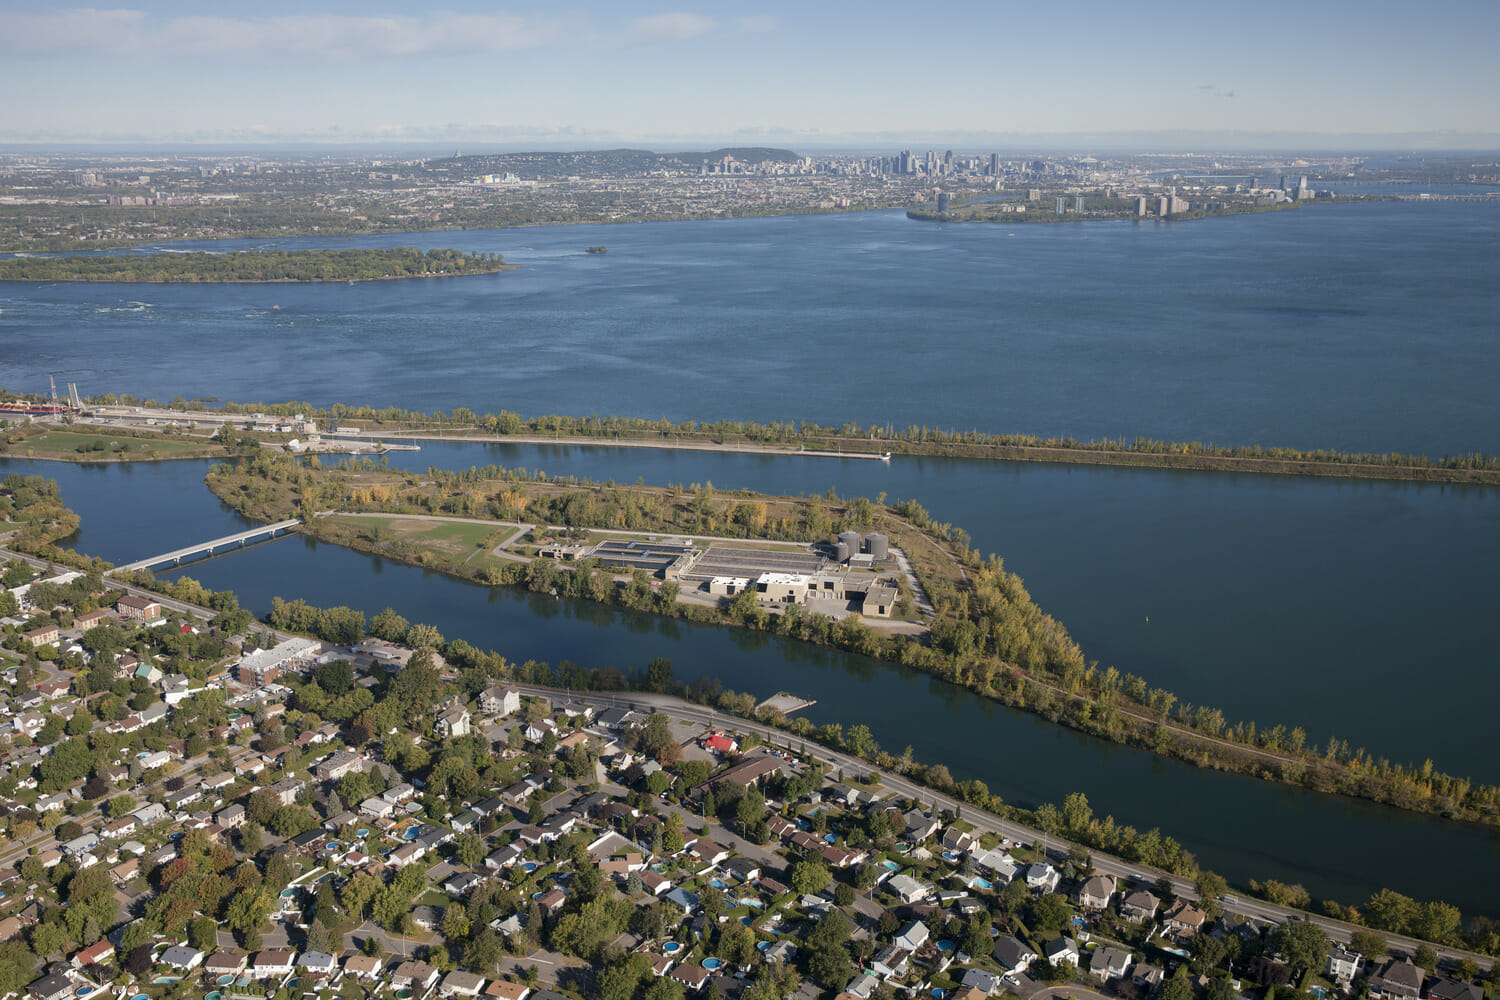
(67, 444)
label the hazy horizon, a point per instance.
(1173, 76)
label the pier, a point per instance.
(208, 548)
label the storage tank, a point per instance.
(841, 551)
(878, 545)
(852, 540)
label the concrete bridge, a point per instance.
(208, 548)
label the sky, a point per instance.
(815, 73)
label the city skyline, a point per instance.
(958, 73)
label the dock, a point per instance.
(785, 703)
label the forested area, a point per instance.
(254, 266)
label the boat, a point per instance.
(597, 250)
(885, 457)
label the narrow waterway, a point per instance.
(1243, 828)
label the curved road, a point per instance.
(1103, 864)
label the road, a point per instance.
(1104, 864)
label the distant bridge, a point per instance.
(208, 548)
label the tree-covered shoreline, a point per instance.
(256, 266)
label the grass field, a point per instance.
(449, 539)
(76, 446)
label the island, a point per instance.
(256, 266)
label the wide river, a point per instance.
(1353, 609)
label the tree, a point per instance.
(469, 850)
(1210, 886)
(809, 876)
(1388, 910)
(1372, 946)
(203, 934)
(1302, 943)
(1436, 922)
(251, 838)
(1048, 914)
(1179, 987)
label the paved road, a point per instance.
(1103, 863)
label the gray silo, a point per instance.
(878, 545)
(852, 540)
(841, 551)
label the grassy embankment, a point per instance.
(1140, 452)
(988, 636)
(86, 444)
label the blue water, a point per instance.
(1356, 326)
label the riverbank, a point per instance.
(986, 635)
(254, 266)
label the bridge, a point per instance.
(208, 548)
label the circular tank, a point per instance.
(841, 551)
(853, 540)
(878, 545)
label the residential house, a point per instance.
(286, 791)
(919, 826)
(982, 980)
(686, 901)
(863, 987)
(1398, 980)
(1042, 877)
(362, 966)
(405, 855)
(273, 964)
(1011, 953)
(1096, 892)
(500, 701)
(415, 976)
(1148, 977)
(1444, 988)
(891, 962)
(1183, 919)
(138, 609)
(1109, 963)
(1061, 949)
(908, 889)
(752, 770)
(89, 619)
(453, 722)
(318, 961)
(1139, 907)
(44, 636)
(955, 840)
(552, 902)
(225, 963)
(336, 765)
(53, 987)
(93, 954)
(231, 817)
(399, 793)
(115, 828)
(912, 937)
(461, 984)
(502, 990)
(692, 977)
(179, 957)
(380, 808)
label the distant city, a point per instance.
(61, 202)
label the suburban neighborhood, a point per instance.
(202, 806)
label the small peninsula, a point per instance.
(256, 266)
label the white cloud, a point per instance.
(321, 37)
(666, 28)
